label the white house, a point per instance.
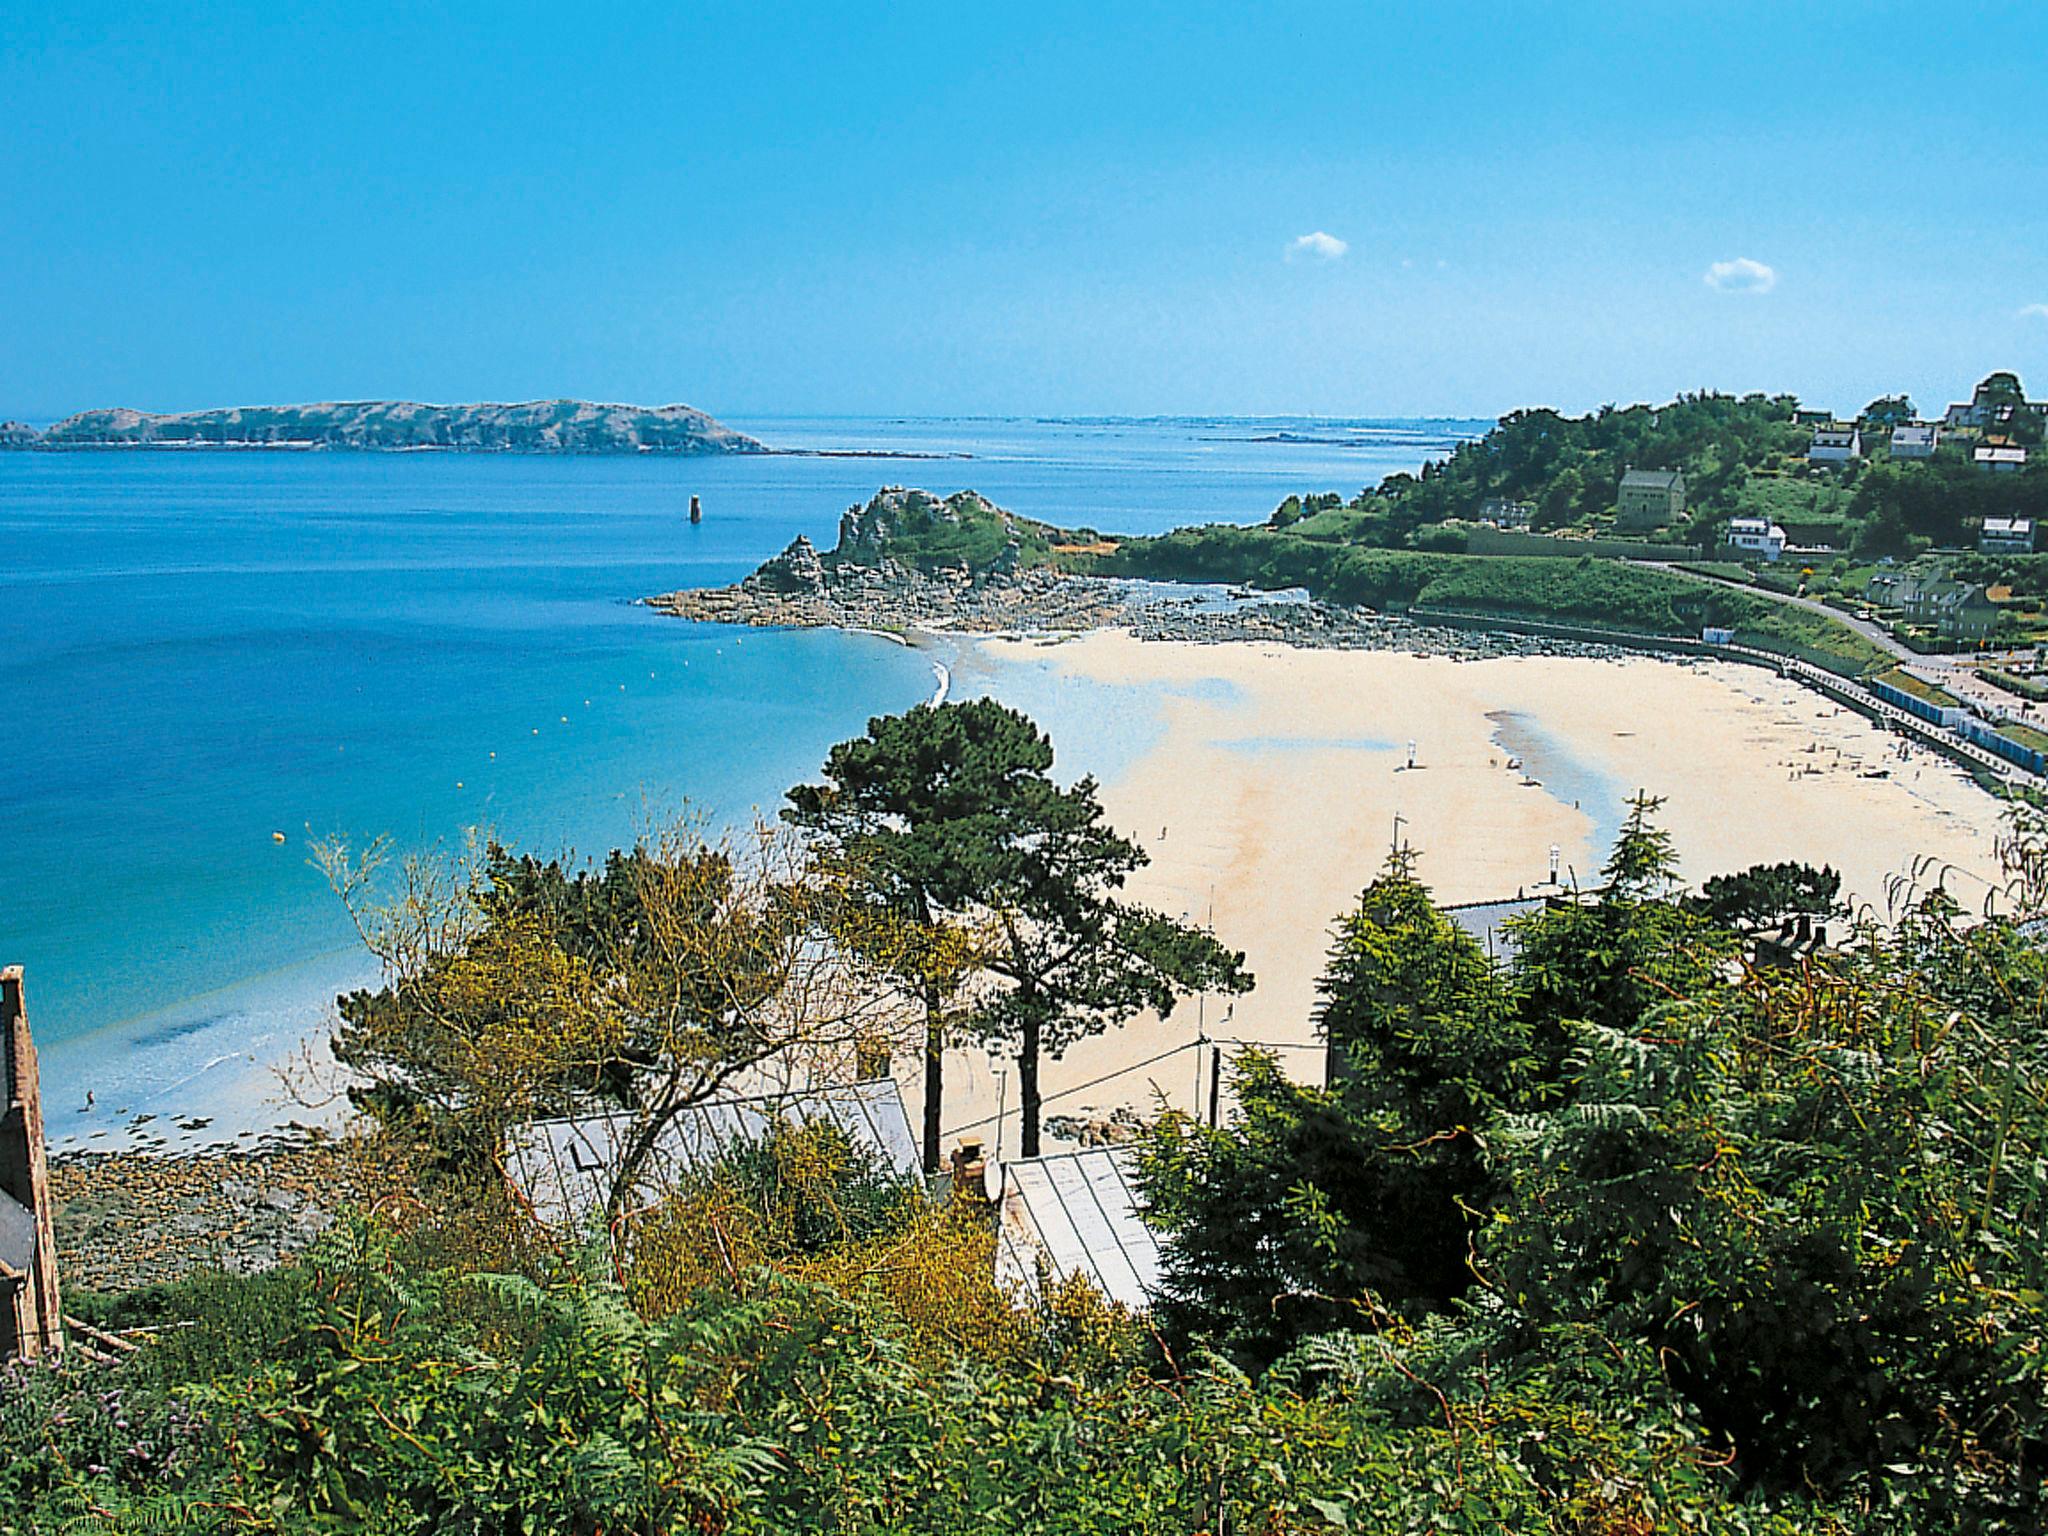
(1502, 513)
(1836, 443)
(1756, 538)
(1915, 440)
(2006, 536)
(2001, 459)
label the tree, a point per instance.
(1890, 411)
(517, 987)
(1070, 958)
(1766, 894)
(957, 808)
(1603, 960)
(908, 811)
(1335, 1207)
(1999, 391)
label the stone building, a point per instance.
(31, 1320)
(1649, 498)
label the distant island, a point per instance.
(536, 426)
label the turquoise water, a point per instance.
(1568, 779)
(200, 650)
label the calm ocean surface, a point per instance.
(198, 650)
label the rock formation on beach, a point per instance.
(909, 560)
(538, 426)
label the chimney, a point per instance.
(30, 1314)
(970, 1173)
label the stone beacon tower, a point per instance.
(30, 1317)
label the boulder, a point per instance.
(797, 569)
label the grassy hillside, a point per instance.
(1602, 593)
(1740, 457)
(927, 533)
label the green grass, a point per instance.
(1926, 692)
(2025, 735)
(1811, 507)
(1611, 594)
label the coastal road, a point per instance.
(1877, 636)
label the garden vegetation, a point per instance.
(1641, 1229)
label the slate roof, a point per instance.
(564, 1166)
(1077, 1213)
(1486, 921)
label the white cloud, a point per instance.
(2034, 312)
(1320, 246)
(1741, 276)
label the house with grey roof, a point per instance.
(1915, 440)
(1755, 538)
(1649, 498)
(2006, 536)
(1955, 610)
(1836, 443)
(564, 1168)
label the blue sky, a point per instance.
(765, 208)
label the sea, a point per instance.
(212, 660)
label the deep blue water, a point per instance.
(198, 650)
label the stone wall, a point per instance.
(1510, 541)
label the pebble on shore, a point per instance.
(130, 1219)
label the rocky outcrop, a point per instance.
(539, 426)
(17, 434)
(797, 569)
(926, 532)
(910, 561)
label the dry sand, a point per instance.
(1268, 800)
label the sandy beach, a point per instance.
(1269, 798)
(1264, 781)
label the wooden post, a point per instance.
(31, 1313)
